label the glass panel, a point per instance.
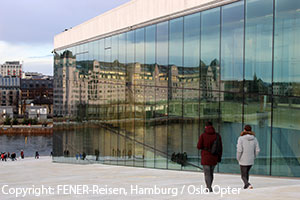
(191, 56)
(115, 83)
(96, 50)
(90, 50)
(257, 114)
(93, 82)
(258, 49)
(101, 51)
(103, 85)
(175, 54)
(161, 94)
(286, 137)
(231, 127)
(232, 46)
(129, 109)
(139, 97)
(150, 54)
(175, 92)
(192, 42)
(210, 55)
(162, 32)
(191, 59)
(107, 96)
(287, 48)
(121, 98)
(209, 107)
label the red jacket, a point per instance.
(205, 142)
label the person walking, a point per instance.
(5, 156)
(37, 155)
(13, 156)
(247, 150)
(210, 144)
(2, 156)
(22, 154)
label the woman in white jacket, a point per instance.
(247, 151)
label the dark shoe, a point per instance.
(246, 186)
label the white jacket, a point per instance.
(247, 149)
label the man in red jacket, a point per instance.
(208, 160)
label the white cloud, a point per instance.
(35, 57)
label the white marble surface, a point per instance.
(31, 173)
(128, 15)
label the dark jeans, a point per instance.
(209, 175)
(245, 175)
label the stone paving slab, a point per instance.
(36, 174)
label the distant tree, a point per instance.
(15, 121)
(34, 121)
(7, 121)
(25, 121)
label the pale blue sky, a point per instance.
(27, 27)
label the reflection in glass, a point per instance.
(137, 97)
(258, 49)
(210, 56)
(175, 92)
(232, 46)
(121, 98)
(286, 137)
(191, 59)
(231, 114)
(287, 48)
(257, 113)
(129, 101)
(161, 94)
(150, 55)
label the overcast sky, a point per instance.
(27, 27)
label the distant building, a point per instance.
(33, 75)
(44, 102)
(38, 112)
(6, 111)
(36, 87)
(11, 68)
(10, 92)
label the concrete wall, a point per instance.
(135, 12)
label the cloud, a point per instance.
(35, 57)
(37, 21)
(43, 65)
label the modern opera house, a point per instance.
(135, 85)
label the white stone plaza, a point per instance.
(43, 179)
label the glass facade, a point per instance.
(141, 96)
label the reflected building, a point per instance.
(133, 92)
